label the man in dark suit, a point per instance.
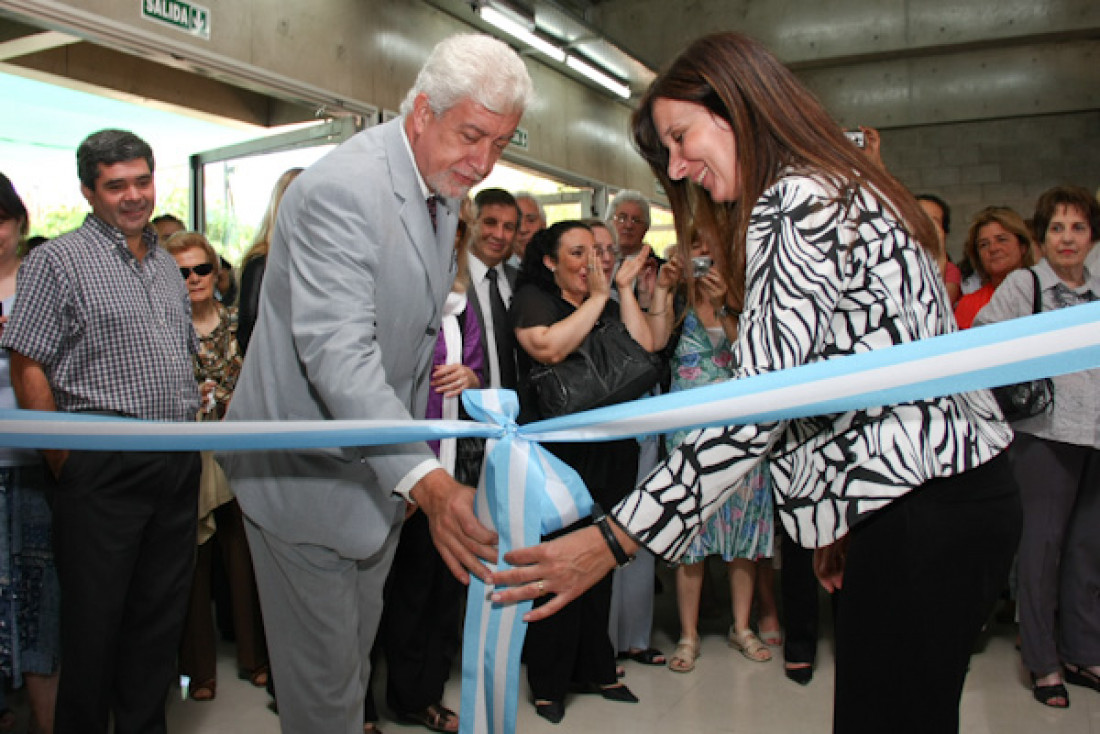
(360, 264)
(492, 282)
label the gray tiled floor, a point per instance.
(725, 693)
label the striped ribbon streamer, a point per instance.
(526, 492)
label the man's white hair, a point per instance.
(477, 66)
(623, 197)
(531, 197)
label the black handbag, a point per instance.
(1027, 399)
(469, 452)
(608, 367)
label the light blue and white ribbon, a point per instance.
(525, 492)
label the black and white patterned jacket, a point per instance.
(829, 273)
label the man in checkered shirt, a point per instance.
(102, 324)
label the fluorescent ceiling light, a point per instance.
(598, 76)
(505, 23)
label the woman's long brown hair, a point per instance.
(777, 123)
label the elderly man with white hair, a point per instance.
(532, 219)
(360, 264)
(628, 212)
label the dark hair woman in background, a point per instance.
(29, 592)
(1057, 464)
(561, 294)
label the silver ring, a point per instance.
(541, 586)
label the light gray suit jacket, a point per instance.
(352, 300)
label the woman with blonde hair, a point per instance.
(998, 242)
(255, 260)
(911, 508)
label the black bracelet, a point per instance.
(604, 524)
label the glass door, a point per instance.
(230, 186)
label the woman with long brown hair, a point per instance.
(911, 507)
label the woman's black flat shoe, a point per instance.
(552, 711)
(801, 675)
(1079, 675)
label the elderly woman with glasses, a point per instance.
(217, 366)
(1057, 464)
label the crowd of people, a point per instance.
(388, 296)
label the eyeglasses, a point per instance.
(624, 218)
(610, 250)
(200, 270)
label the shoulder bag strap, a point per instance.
(1037, 299)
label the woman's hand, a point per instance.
(565, 567)
(597, 281)
(829, 564)
(670, 274)
(207, 398)
(712, 288)
(630, 267)
(451, 379)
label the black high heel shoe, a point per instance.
(552, 711)
(614, 692)
(619, 693)
(801, 675)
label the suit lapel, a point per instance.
(414, 212)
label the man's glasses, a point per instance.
(624, 218)
(200, 270)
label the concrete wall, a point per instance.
(984, 101)
(363, 51)
(972, 165)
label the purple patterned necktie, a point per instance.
(433, 202)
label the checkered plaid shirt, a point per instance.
(113, 333)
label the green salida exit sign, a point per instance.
(183, 16)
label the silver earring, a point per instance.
(553, 270)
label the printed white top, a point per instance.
(830, 272)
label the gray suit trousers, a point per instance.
(1057, 577)
(321, 612)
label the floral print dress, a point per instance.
(743, 526)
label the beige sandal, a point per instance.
(683, 659)
(749, 645)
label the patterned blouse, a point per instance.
(219, 359)
(829, 273)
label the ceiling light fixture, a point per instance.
(507, 23)
(604, 80)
